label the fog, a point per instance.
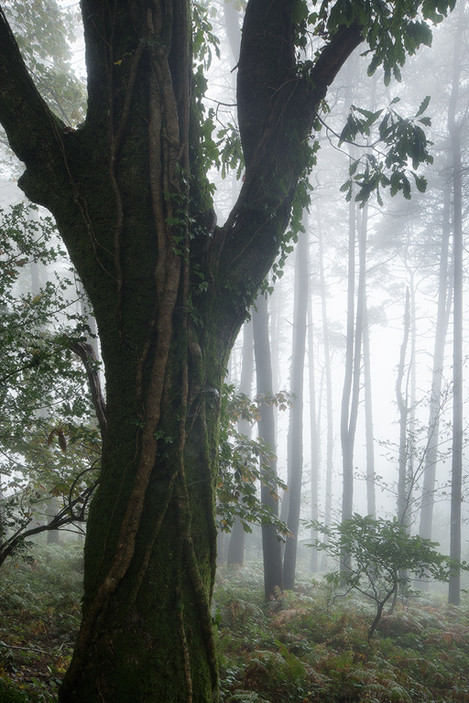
(403, 252)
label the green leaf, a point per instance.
(423, 106)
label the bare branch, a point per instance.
(88, 357)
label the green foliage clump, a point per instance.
(48, 437)
(10, 694)
(239, 464)
(377, 558)
(404, 142)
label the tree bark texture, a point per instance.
(130, 198)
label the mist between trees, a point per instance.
(377, 418)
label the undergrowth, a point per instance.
(39, 610)
(306, 648)
(302, 647)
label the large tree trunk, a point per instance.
(147, 536)
(146, 532)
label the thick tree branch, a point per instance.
(275, 141)
(30, 125)
(266, 62)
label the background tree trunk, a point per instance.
(237, 540)
(348, 411)
(402, 395)
(271, 547)
(295, 433)
(441, 328)
(457, 443)
(368, 397)
(315, 438)
(328, 377)
(370, 438)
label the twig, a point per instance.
(26, 649)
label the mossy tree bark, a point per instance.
(129, 196)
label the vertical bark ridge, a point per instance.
(116, 141)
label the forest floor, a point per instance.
(304, 647)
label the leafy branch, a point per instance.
(240, 460)
(383, 554)
(397, 148)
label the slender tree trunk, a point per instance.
(348, 410)
(351, 388)
(363, 305)
(402, 396)
(411, 467)
(87, 313)
(295, 433)
(276, 319)
(233, 30)
(315, 450)
(235, 555)
(328, 379)
(457, 444)
(441, 328)
(51, 506)
(270, 543)
(406, 399)
(369, 429)
(237, 540)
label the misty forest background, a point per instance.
(346, 394)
